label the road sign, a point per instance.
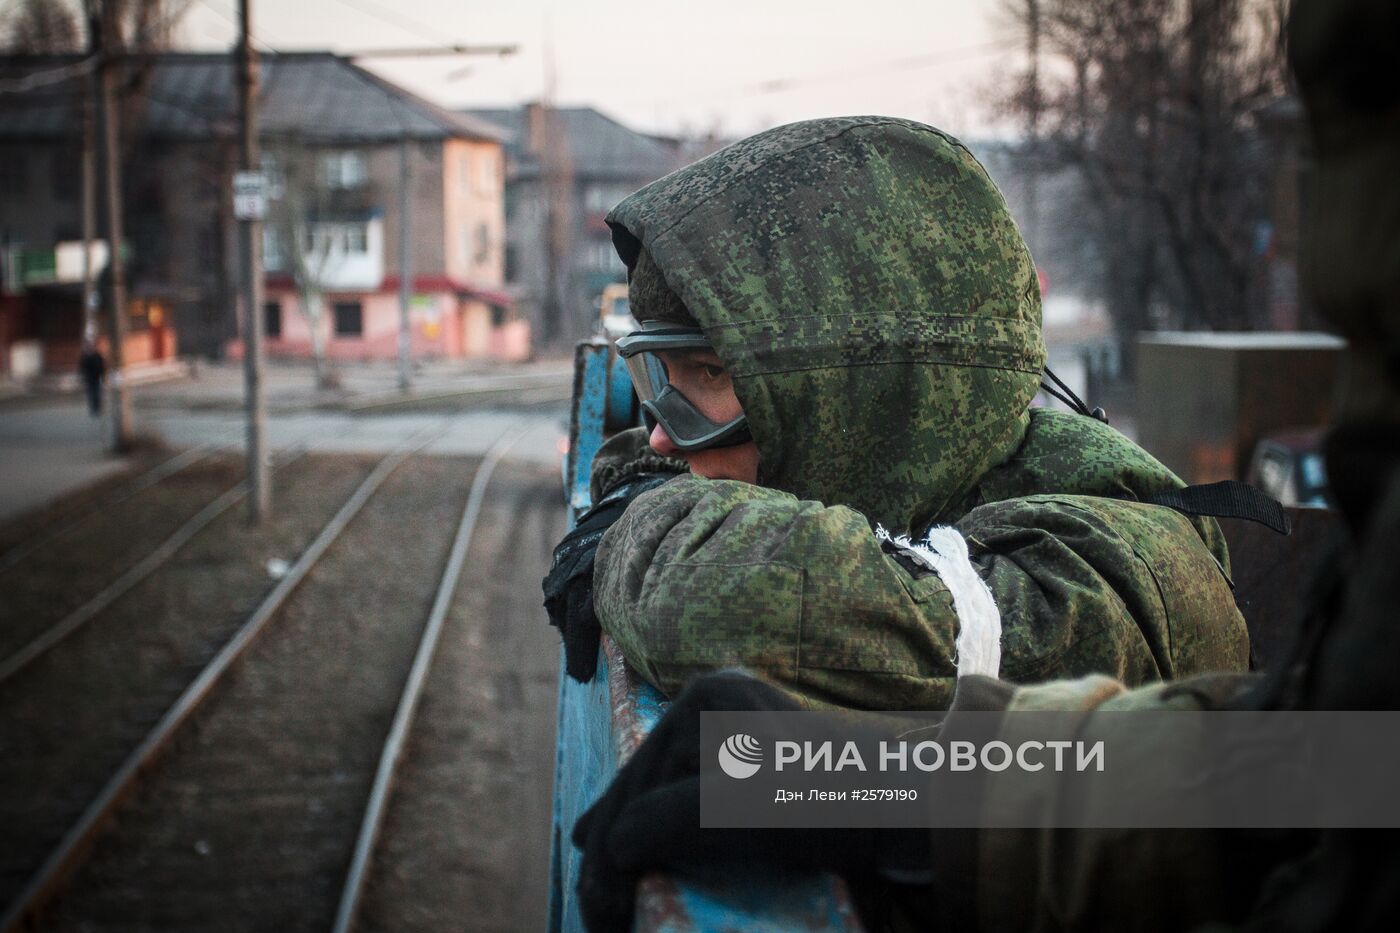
(249, 195)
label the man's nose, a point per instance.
(660, 442)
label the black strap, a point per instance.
(1227, 499)
(1070, 400)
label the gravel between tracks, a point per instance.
(465, 843)
(18, 528)
(67, 572)
(248, 823)
(72, 717)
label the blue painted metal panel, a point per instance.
(602, 722)
(585, 757)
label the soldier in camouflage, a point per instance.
(1344, 657)
(875, 310)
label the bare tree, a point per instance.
(35, 27)
(303, 250)
(1155, 104)
(57, 27)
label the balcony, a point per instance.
(25, 268)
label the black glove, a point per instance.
(568, 587)
(649, 818)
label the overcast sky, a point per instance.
(667, 66)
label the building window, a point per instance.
(209, 243)
(272, 249)
(349, 319)
(65, 170)
(324, 239)
(512, 264)
(272, 319)
(485, 170)
(483, 244)
(601, 198)
(14, 172)
(272, 170)
(345, 169)
(356, 238)
(602, 256)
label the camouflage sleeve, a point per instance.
(703, 574)
(1087, 584)
(1108, 879)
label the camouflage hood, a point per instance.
(864, 283)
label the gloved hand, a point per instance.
(627, 453)
(649, 818)
(568, 587)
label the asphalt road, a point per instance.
(51, 447)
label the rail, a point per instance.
(119, 587)
(353, 889)
(138, 484)
(77, 841)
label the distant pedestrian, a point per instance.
(93, 368)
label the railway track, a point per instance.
(34, 648)
(250, 819)
(16, 553)
(71, 717)
(465, 836)
(57, 577)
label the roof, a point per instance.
(599, 146)
(312, 96)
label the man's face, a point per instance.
(702, 378)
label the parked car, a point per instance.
(1288, 465)
(614, 311)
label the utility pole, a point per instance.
(405, 263)
(109, 32)
(1033, 106)
(250, 223)
(90, 96)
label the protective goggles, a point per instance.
(663, 390)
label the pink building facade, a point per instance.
(447, 320)
(336, 236)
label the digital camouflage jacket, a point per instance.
(865, 285)
(1345, 654)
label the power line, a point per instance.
(912, 63)
(228, 17)
(440, 50)
(394, 18)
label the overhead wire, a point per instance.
(393, 17)
(911, 63)
(229, 17)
